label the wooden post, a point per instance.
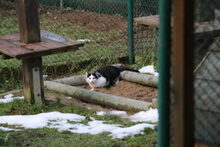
(33, 81)
(28, 21)
(29, 33)
(182, 72)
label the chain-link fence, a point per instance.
(145, 36)
(207, 72)
(102, 24)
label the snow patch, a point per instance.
(10, 97)
(71, 122)
(150, 115)
(129, 131)
(83, 40)
(148, 70)
(145, 116)
(8, 129)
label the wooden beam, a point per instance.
(182, 73)
(28, 18)
(152, 21)
(29, 33)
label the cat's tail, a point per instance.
(122, 68)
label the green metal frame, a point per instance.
(130, 32)
(164, 73)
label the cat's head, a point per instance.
(92, 77)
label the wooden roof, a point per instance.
(50, 44)
(152, 21)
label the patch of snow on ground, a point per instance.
(145, 116)
(8, 129)
(129, 131)
(119, 113)
(62, 122)
(101, 113)
(9, 98)
(39, 120)
(149, 70)
(83, 40)
(150, 115)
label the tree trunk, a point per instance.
(143, 79)
(98, 98)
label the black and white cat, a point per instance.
(106, 76)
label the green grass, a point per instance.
(7, 24)
(51, 137)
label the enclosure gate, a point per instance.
(195, 86)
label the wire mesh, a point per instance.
(102, 24)
(145, 37)
(207, 71)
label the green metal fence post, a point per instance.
(164, 73)
(130, 32)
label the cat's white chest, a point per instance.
(99, 82)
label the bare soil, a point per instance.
(91, 20)
(129, 90)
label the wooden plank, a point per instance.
(11, 46)
(203, 27)
(200, 28)
(14, 37)
(182, 73)
(29, 78)
(28, 18)
(152, 21)
(43, 49)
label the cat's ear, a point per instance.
(88, 74)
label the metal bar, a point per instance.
(37, 85)
(182, 68)
(61, 6)
(130, 32)
(164, 73)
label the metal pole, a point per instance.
(130, 32)
(164, 73)
(61, 6)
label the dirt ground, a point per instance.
(129, 90)
(91, 20)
